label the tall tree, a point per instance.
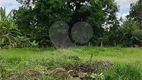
(35, 17)
(136, 13)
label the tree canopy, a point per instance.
(35, 17)
(41, 22)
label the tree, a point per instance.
(136, 13)
(130, 34)
(113, 34)
(10, 36)
(35, 17)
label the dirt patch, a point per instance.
(89, 67)
(82, 70)
(75, 71)
(22, 74)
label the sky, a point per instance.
(124, 6)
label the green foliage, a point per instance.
(29, 25)
(136, 13)
(124, 72)
(38, 18)
(130, 34)
(34, 44)
(7, 27)
(10, 35)
(137, 35)
(98, 76)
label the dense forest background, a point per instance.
(29, 25)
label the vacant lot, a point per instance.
(126, 63)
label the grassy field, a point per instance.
(127, 62)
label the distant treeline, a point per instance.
(29, 25)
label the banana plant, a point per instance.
(8, 30)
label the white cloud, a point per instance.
(123, 16)
(125, 3)
(124, 8)
(9, 5)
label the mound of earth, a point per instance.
(77, 71)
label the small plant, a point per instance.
(97, 76)
(34, 44)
